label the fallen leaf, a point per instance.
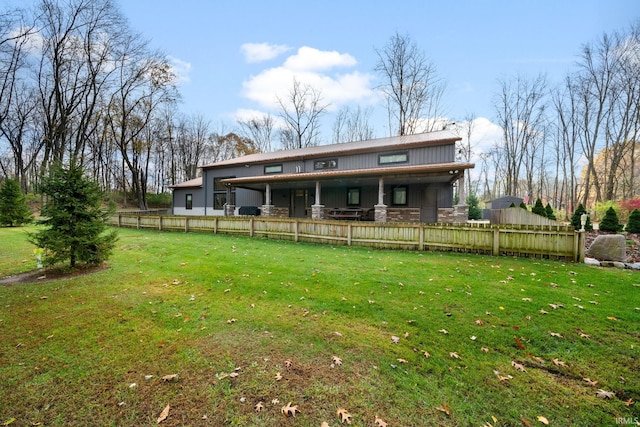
(344, 416)
(444, 408)
(288, 363)
(338, 334)
(395, 339)
(170, 377)
(402, 361)
(274, 401)
(426, 354)
(259, 406)
(543, 312)
(583, 335)
(337, 360)
(590, 382)
(612, 318)
(324, 424)
(484, 349)
(288, 409)
(629, 402)
(443, 331)
(233, 374)
(379, 423)
(454, 355)
(525, 422)
(518, 366)
(555, 334)
(603, 394)
(479, 322)
(278, 376)
(543, 420)
(519, 343)
(164, 414)
(558, 362)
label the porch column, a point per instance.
(229, 209)
(461, 210)
(380, 208)
(462, 194)
(317, 211)
(267, 208)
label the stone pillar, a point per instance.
(462, 195)
(380, 208)
(317, 209)
(460, 213)
(267, 210)
(267, 195)
(229, 210)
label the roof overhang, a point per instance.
(426, 173)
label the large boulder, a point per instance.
(608, 247)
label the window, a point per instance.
(273, 169)
(399, 196)
(386, 159)
(220, 193)
(325, 164)
(189, 201)
(353, 197)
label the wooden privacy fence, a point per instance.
(556, 242)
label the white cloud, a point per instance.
(315, 68)
(258, 52)
(181, 69)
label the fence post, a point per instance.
(250, 227)
(349, 234)
(421, 238)
(215, 226)
(581, 243)
(186, 224)
(160, 222)
(295, 231)
(138, 222)
(496, 241)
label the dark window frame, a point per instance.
(356, 190)
(382, 162)
(395, 192)
(278, 167)
(330, 164)
(188, 201)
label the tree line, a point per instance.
(79, 86)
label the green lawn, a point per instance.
(241, 321)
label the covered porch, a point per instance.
(398, 194)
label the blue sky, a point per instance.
(331, 45)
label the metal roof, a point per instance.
(391, 143)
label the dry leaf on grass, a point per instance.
(170, 377)
(344, 416)
(379, 423)
(454, 355)
(278, 376)
(164, 414)
(444, 408)
(543, 420)
(558, 362)
(518, 366)
(288, 409)
(337, 360)
(603, 394)
(395, 339)
(259, 406)
(590, 382)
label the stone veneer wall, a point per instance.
(456, 214)
(403, 214)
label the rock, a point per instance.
(591, 261)
(619, 264)
(608, 247)
(635, 266)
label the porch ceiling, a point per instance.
(431, 173)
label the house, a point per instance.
(404, 178)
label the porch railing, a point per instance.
(555, 242)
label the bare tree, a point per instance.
(352, 125)
(260, 130)
(411, 86)
(301, 112)
(520, 109)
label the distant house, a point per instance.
(405, 178)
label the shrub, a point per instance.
(633, 224)
(610, 222)
(524, 206)
(575, 219)
(13, 206)
(538, 209)
(474, 211)
(549, 212)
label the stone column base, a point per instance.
(460, 214)
(317, 211)
(380, 213)
(266, 210)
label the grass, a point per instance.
(228, 314)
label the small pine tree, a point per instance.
(523, 206)
(610, 222)
(474, 211)
(74, 221)
(633, 223)
(549, 212)
(512, 205)
(13, 206)
(538, 209)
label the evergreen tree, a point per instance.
(474, 211)
(633, 223)
(523, 206)
(75, 227)
(610, 222)
(575, 219)
(512, 205)
(538, 209)
(549, 212)
(13, 206)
